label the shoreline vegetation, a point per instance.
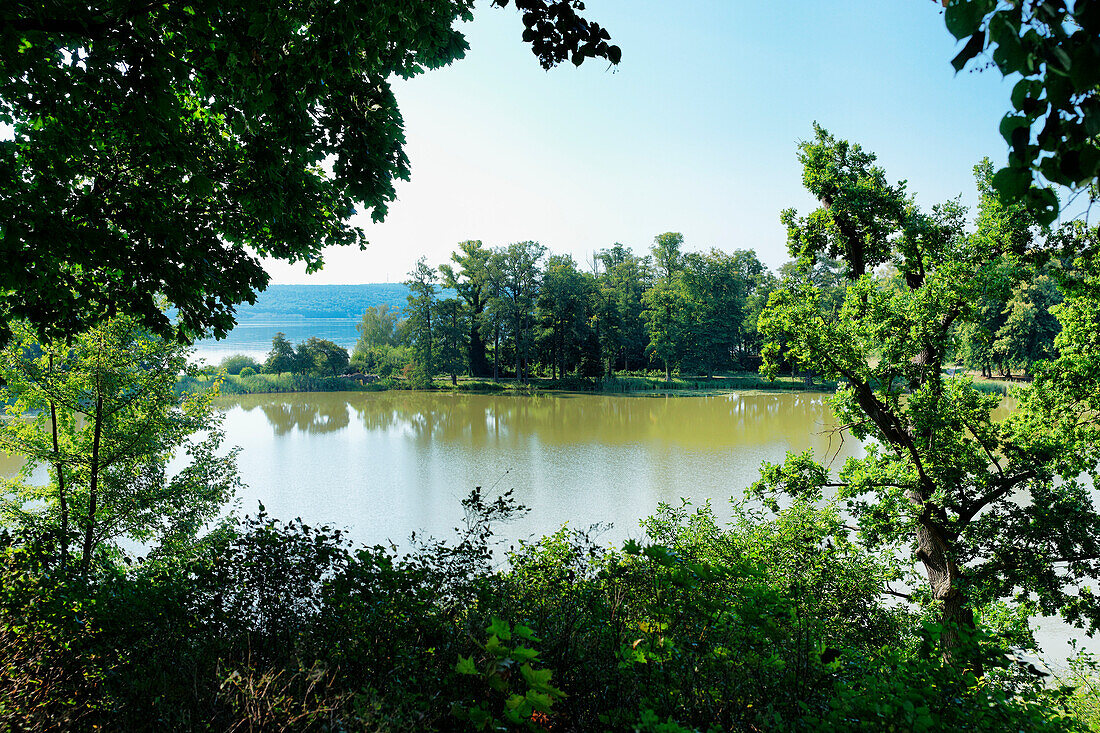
(634, 384)
(640, 384)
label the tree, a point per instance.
(234, 363)
(471, 282)
(618, 306)
(102, 413)
(715, 291)
(664, 315)
(420, 334)
(378, 327)
(281, 358)
(451, 334)
(562, 313)
(1030, 328)
(321, 357)
(990, 510)
(165, 148)
(516, 273)
(1052, 129)
(666, 253)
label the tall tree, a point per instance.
(989, 510)
(102, 412)
(321, 357)
(715, 290)
(666, 254)
(281, 358)
(471, 282)
(664, 313)
(422, 299)
(166, 148)
(563, 313)
(618, 305)
(517, 274)
(378, 327)
(451, 336)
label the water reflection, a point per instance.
(388, 463)
(299, 412)
(478, 421)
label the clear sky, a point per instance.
(695, 131)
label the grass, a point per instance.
(635, 383)
(624, 383)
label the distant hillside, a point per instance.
(282, 302)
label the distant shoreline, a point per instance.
(627, 384)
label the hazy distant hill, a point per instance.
(282, 302)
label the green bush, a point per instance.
(765, 624)
(248, 372)
(236, 363)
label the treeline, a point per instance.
(519, 311)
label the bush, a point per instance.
(235, 363)
(760, 625)
(248, 372)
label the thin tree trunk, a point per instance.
(93, 487)
(479, 365)
(519, 368)
(496, 353)
(62, 499)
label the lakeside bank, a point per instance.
(287, 382)
(626, 384)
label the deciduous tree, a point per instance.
(163, 148)
(103, 414)
(991, 510)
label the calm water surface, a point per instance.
(386, 464)
(253, 338)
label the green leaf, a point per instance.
(1011, 123)
(1012, 182)
(524, 654)
(1043, 205)
(465, 665)
(500, 629)
(972, 48)
(1025, 90)
(525, 632)
(964, 17)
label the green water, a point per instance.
(387, 464)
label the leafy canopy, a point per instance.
(166, 148)
(991, 508)
(1053, 128)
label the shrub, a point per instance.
(248, 372)
(235, 363)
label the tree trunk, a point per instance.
(496, 353)
(668, 371)
(479, 364)
(93, 487)
(62, 499)
(944, 577)
(454, 379)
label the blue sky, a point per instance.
(695, 131)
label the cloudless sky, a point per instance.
(695, 131)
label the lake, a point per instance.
(253, 337)
(387, 464)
